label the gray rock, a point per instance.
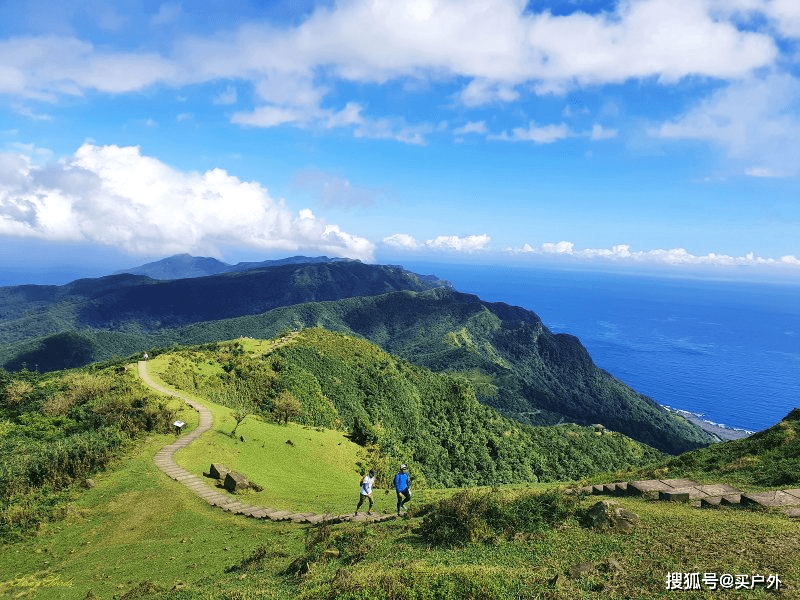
(236, 482)
(88, 483)
(218, 471)
(579, 570)
(609, 516)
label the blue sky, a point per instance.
(639, 134)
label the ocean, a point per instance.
(728, 352)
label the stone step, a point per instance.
(776, 498)
(649, 488)
(279, 515)
(731, 500)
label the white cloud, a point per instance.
(45, 67)
(599, 133)
(402, 241)
(756, 121)
(27, 111)
(760, 172)
(349, 116)
(115, 196)
(672, 256)
(497, 47)
(471, 127)
(470, 243)
(546, 134)
(453, 243)
(559, 248)
(270, 116)
(480, 92)
(783, 15)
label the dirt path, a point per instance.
(165, 461)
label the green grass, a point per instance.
(319, 472)
(140, 533)
(136, 525)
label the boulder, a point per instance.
(236, 482)
(218, 471)
(609, 516)
(579, 570)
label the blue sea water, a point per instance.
(728, 351)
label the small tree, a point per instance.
(241, 399)
(242, 409)
(285, 407)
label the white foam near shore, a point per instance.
(719, 430)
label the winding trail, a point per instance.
(165, 461)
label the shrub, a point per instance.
(473, 515)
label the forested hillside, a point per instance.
(134, 303)
(516, 364)
(403, 412)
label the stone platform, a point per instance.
(700, 495)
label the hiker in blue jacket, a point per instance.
(402, 485)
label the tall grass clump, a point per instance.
(477, 515)
(58, 429)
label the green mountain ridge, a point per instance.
(530, 374)
(117, 301)
(183, 266)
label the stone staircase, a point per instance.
(698, 495)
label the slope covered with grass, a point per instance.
(139, 534)
(769, 458)
(398, 411)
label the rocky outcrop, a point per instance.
(608, 516)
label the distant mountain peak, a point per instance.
(185, 266)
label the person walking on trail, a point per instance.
(366, 491)
(402, 485)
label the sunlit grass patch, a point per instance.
(319, 471)
(136, 525)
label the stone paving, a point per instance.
(699, 495)
(165, 461)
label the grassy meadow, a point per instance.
(139, 534)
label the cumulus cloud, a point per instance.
(45, 67)
(599, 133)
(672, 256)
(115, 196)
(470, 243)
(471, 127)
(402, 241)
(545, 134)
(480, 92)
(755, 121)
(293, 69)
(454, 243)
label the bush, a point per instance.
(473, 515)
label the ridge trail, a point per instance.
(165, 461)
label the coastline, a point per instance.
(720, 432)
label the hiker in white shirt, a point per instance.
(366, 491)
